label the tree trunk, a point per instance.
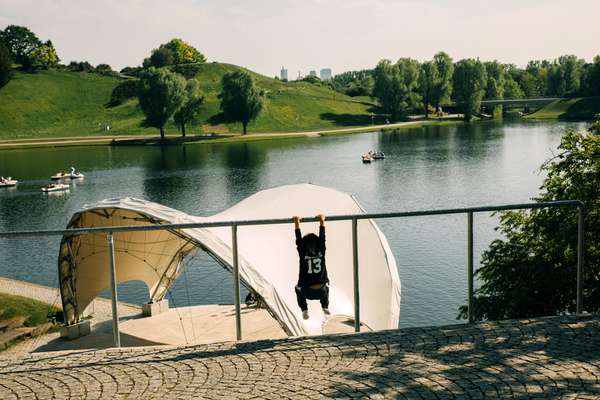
(162, 133)
(244, 124)
(426, 109)
(183, 129)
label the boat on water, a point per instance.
(75, 174)
(55, 187)
(378, 155)
(8, 182)
(60, 175)
(366, 159)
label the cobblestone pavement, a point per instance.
(538, 358)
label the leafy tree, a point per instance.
(44, 56)
(191, 106)
(174, 52)
(132, 71)
(162, 57)
(442, 90)
(591, 80)
(240, 100)
(532, 270)
(512, 90)
(429, 78)
(161, 93)
(469, 86)
(5, 65)
(495, 85)
(20, 42)
(396, 86)
(564, 76)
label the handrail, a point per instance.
(110, 230)
(273, 221)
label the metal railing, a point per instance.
(354, 218)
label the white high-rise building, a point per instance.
(283, 75)
(326, 74)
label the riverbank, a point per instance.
(211, 138)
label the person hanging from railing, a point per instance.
(313, 282)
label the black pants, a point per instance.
(307, 293)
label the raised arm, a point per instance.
(321, 231)
(297, 231)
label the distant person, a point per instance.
(313, 283)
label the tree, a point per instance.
(190, 107)
(469, 86)
(495, 85)
(442, 90)
(20, 42)
(429, 78)
(396, 86)
(174, 52)
(162, 57)
(5, 65)
(564, 76)
(512, 90)
(240, 100)
(591, 81)
(532, 271)
(161, 93)
(104, 69)
(44, 56)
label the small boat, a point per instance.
(75, 174)
(8, 182)
(366, 159)
(60, 175)
(378, 155)
(55, 187)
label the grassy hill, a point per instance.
(61, 103)
(578, 108)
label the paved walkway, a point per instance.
(540, 358)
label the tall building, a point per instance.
(326, 74)
(313, 73)
(283, 74)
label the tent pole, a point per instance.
(580, 254)
(470, 265)
(355, 274)
(236, 283)
(113, 287)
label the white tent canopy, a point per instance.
(268, 260)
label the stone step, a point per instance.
(10, 336)
(12, 323)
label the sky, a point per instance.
(302, 35)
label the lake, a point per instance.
(426, 168)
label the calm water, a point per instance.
(426, 168)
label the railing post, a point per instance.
(113, 287)
(580, 255)
(470, 263)
(355, 274)
(236, 283)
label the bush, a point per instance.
(125, 90)
(187, 70)
(81, 66)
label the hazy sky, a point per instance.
(302, 35)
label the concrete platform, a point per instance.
(202, 324)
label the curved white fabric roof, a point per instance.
(267, 253)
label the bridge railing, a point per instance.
(354, 218)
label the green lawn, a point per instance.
(35, 312)
(60, 104)
(577, 108)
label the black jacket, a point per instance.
(312, 266)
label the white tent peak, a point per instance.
(268, 260)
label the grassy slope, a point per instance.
(58, 103)
(575, 108)
(35, 312)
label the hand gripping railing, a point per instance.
(355, 266)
